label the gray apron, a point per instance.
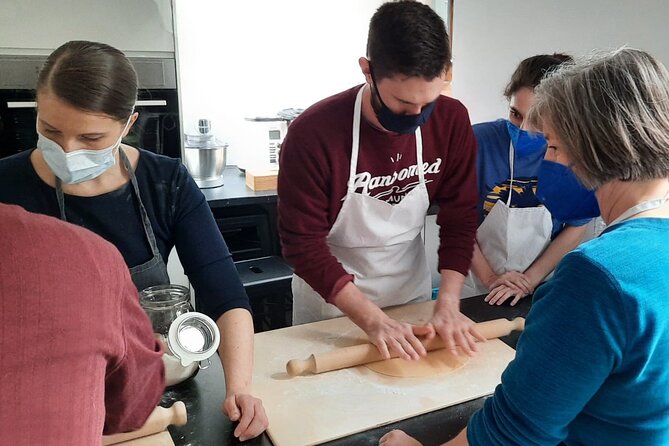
(151, 273)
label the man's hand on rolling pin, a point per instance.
(249, 412)
(398, 438)
(388, 335)
(453, 327)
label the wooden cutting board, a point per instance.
(308, 410)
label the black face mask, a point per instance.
(394, 122)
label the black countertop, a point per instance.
(204, 394)
(234, 191)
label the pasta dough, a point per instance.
(437, 362)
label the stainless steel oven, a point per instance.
(157, 129)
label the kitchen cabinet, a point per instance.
(248, 221)
(37, 27)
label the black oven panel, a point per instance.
(17, 121)
(157, 128)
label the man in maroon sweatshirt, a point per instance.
(358, 172)
(77, 353)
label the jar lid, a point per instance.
(193, 337)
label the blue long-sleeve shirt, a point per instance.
(592, 366)
(179, 215)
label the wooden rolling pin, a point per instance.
(160, 418)
(162, 439)
(364, 353)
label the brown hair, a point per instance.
(611, 113)
(91, 76)
(407, 37)
(530, 71)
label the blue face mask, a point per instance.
(399, 123)
(525, 143)
(563, 194)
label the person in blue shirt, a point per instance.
(518, 242)
(145, 204)
(591, 365)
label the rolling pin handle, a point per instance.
(179, 415)
(297, 367)
(518, 324)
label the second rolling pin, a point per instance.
(160, 418)
(365, 353)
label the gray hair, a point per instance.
(611, 112)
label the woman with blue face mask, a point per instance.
(143, 203)
(519, 241)
(591, 365)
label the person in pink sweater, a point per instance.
(358, 173)
(78, 357)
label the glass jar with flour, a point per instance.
(188, 337)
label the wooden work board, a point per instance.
(313, 409)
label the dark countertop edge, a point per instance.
(241, 201)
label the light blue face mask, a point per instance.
(80, 165)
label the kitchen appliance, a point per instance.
(187, 336)
(157, 128)
(204, 156)
(265, 154)
(267, 142)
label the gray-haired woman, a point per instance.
(591, 367)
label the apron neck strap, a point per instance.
(512, 158)
(355, 145)
(419, 156)
(148, 230)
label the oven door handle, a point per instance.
(33, 104)
(21, 104)
(151, 103)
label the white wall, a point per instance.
(491, 37)
(253, 58)
(37, 27)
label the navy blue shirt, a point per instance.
(494, 173)
(179, 215)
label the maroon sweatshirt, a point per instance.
(315, 163)
(77, 352)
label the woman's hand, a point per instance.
(398, 438)
(512, 279)
(502, 293)
(249, 412)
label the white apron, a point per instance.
(510, 238)
(379, 243)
